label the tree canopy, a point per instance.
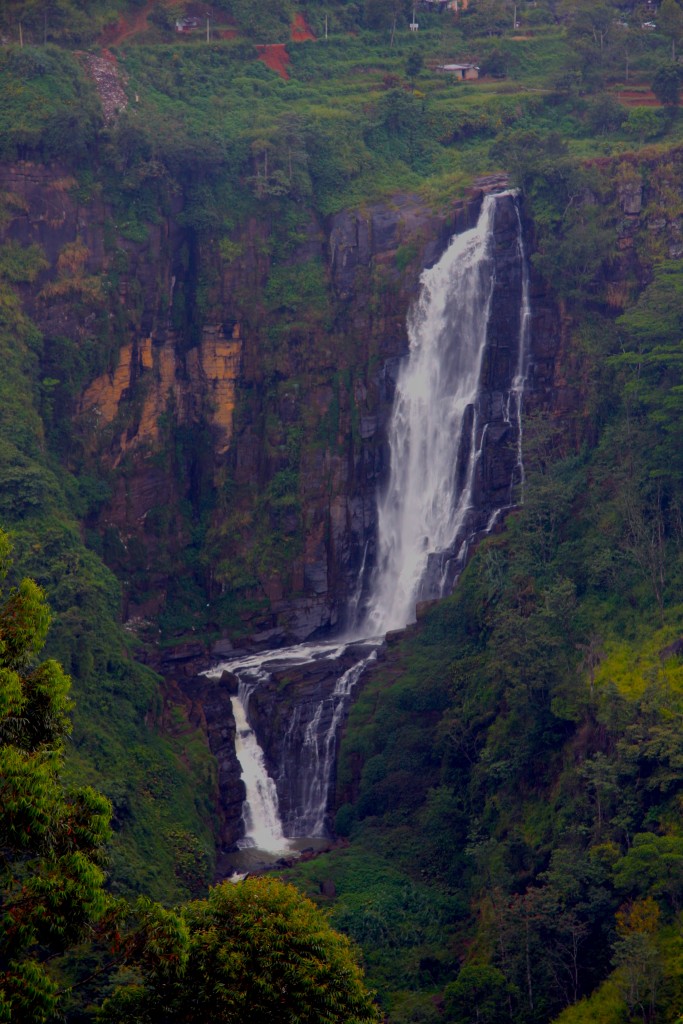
(51, 840)
(254, 951)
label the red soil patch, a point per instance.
(275, 57)
(638, 98)
(133, 25)
(124, 28)
(301, 32)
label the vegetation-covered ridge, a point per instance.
(161, 788)
(510, 778)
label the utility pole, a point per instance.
(514, 17)
(207, 29)
(325, 26)
(21, 37)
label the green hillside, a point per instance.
(510, 783)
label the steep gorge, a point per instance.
(233, 399)
(232, 405)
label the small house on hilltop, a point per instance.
(442, 5)
(193, 16)
(464, 72)
(188, 24)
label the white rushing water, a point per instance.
(263, 828)
(316, 758)
(428, 493)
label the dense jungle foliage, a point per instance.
(510, 779)
(257, 951)
(145, 775)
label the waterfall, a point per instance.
(285, 803)
(318, 750)
(262, 826)
(436, 436)
(443, 423)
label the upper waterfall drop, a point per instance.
(436, 433)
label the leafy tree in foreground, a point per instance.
(51, 842)
(255, 951)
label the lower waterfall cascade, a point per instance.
(316, 756)
(285, 806)
(440, 425)
(263, 828)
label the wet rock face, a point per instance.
(496, 470)
(298, 720)
(212, 711)
(544, 390)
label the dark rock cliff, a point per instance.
(238, 433)
(211, 710)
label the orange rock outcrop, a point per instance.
(202, 384)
